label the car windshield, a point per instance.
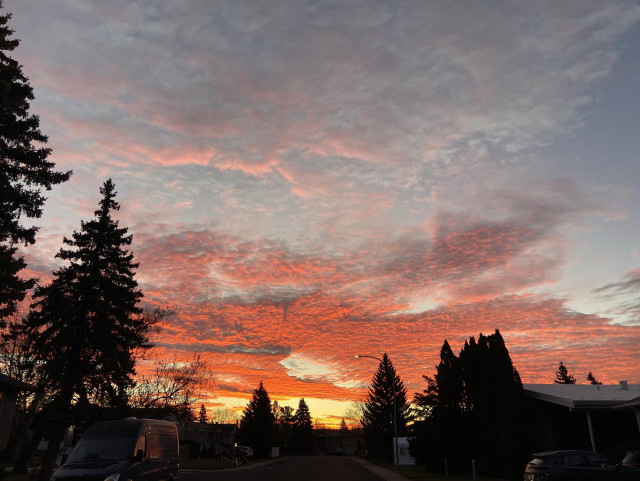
(101, 449)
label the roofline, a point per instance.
(582, 405)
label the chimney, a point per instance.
(624, 386)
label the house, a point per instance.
(205, 437)
(329, 441)
(9, 390)
(584, 416)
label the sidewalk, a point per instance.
(384, 473)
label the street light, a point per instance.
(396, 459)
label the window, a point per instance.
(162, 446)
(141, 445)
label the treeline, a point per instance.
(265, 424)
(473, 409)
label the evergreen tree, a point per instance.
(474, 408)
(202, 417)
(439, 432)
(256, 425)
(24, 172)
(495, 401)
(86, 327)
(343, 426)
(592, 379)
(283, 426)
(378, 410)
(563, 376)
(303, 429)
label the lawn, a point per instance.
(418, 472)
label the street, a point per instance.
(299, 468)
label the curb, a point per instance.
(384, 473)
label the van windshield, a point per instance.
(101, 449)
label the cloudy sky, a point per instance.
(307, 180)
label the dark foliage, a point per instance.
(378, 411)
(302, 430)
(202, 416)
(85, 328)
(440, 433)
(592, 379)
(256, 425)
(563, 376)
(24, 172)
(474, 408)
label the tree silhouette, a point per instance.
(343, 426)
(378, 410)
(592, 379)
(202, 416)
(438, 433)
(303, 429)
(473, 408)
(283, 426)
(24, 172)
(175, 386)
(86, 327)
(496, 406)
(256, 425)
(563, 376)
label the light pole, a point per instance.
(396, 459)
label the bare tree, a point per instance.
(175, 385)
(355, 413)
(225, 416)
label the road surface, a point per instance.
(298, 468)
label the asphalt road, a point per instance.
(298, 468)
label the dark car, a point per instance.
(246, 451)
(576, 465)
(631, 459)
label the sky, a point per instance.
(309, 180)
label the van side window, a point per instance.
(162, 446)
(141, 444)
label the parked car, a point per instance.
(129, 449)
(631, 459)
(577, 465)
(246, 451)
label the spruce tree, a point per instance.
(496, 406)
(256, 425)
(202, 417)
(24, 172)
(86, 327)
(378, 415)
(439, 432)
(473, 408)
(343, 426)
(303, 429)
(563, 376)
(592, 379)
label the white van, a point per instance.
(124, 450)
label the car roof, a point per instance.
(563, 451)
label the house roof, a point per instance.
(587, 396)
(7, 381)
